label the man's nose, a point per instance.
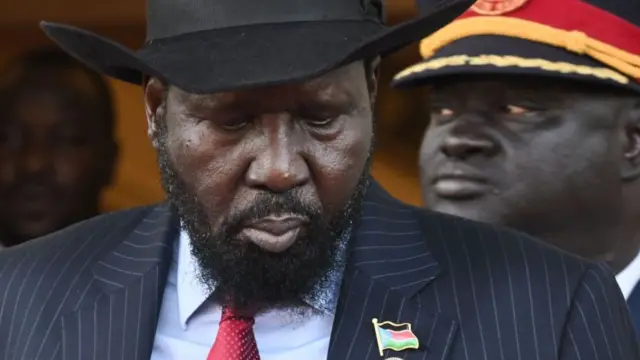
(279, 165)
(34, 159)
(467, 140)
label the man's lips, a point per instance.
(278, 225)
(32, 199)
(459, 185)
(274, 233)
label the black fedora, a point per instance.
(205, 46)
(587, 41)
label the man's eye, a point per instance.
(234, 126)
(320, 122)
(444, 112)
(516, 110)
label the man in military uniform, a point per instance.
(536, 124)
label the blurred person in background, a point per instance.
(536, 125)
(57, 144)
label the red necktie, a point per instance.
(235, 340)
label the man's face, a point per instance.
(540, 156)
(266, 180)
(53, 161)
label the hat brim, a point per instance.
(499, 55)
(250, 56)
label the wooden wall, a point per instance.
(401, 114)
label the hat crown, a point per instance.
(624, 9)
(167, 18)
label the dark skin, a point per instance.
(557, 160)
(230, 146)
(54, 158)
(295, 151)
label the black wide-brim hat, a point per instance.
(217, 45)
(590, 41)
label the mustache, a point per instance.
(32, 183)
(269, 204)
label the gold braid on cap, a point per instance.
(623, 62)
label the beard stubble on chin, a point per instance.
(241, 274)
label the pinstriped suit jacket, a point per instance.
(470, 291)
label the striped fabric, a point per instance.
(634, 306)
(470, 291)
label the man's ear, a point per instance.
(631, 142)
(154, 106)
(373, 75)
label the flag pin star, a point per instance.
(395, 337)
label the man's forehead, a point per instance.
(50, 76)
(47, 107)
(50, 105)
(68, 87)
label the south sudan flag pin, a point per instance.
(395, 337)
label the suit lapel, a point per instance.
(634, 306)
(389, 264)
(118, 318)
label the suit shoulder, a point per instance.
(499, 248)
(46, 253)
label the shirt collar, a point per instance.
(192, 293)
(629, 277)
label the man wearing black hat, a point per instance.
(536, 124)
(275, 242)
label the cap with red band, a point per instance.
(589, 40)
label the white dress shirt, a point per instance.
(629, 277)
(188, 321)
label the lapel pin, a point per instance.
(395, 337)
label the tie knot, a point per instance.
(232, 314)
